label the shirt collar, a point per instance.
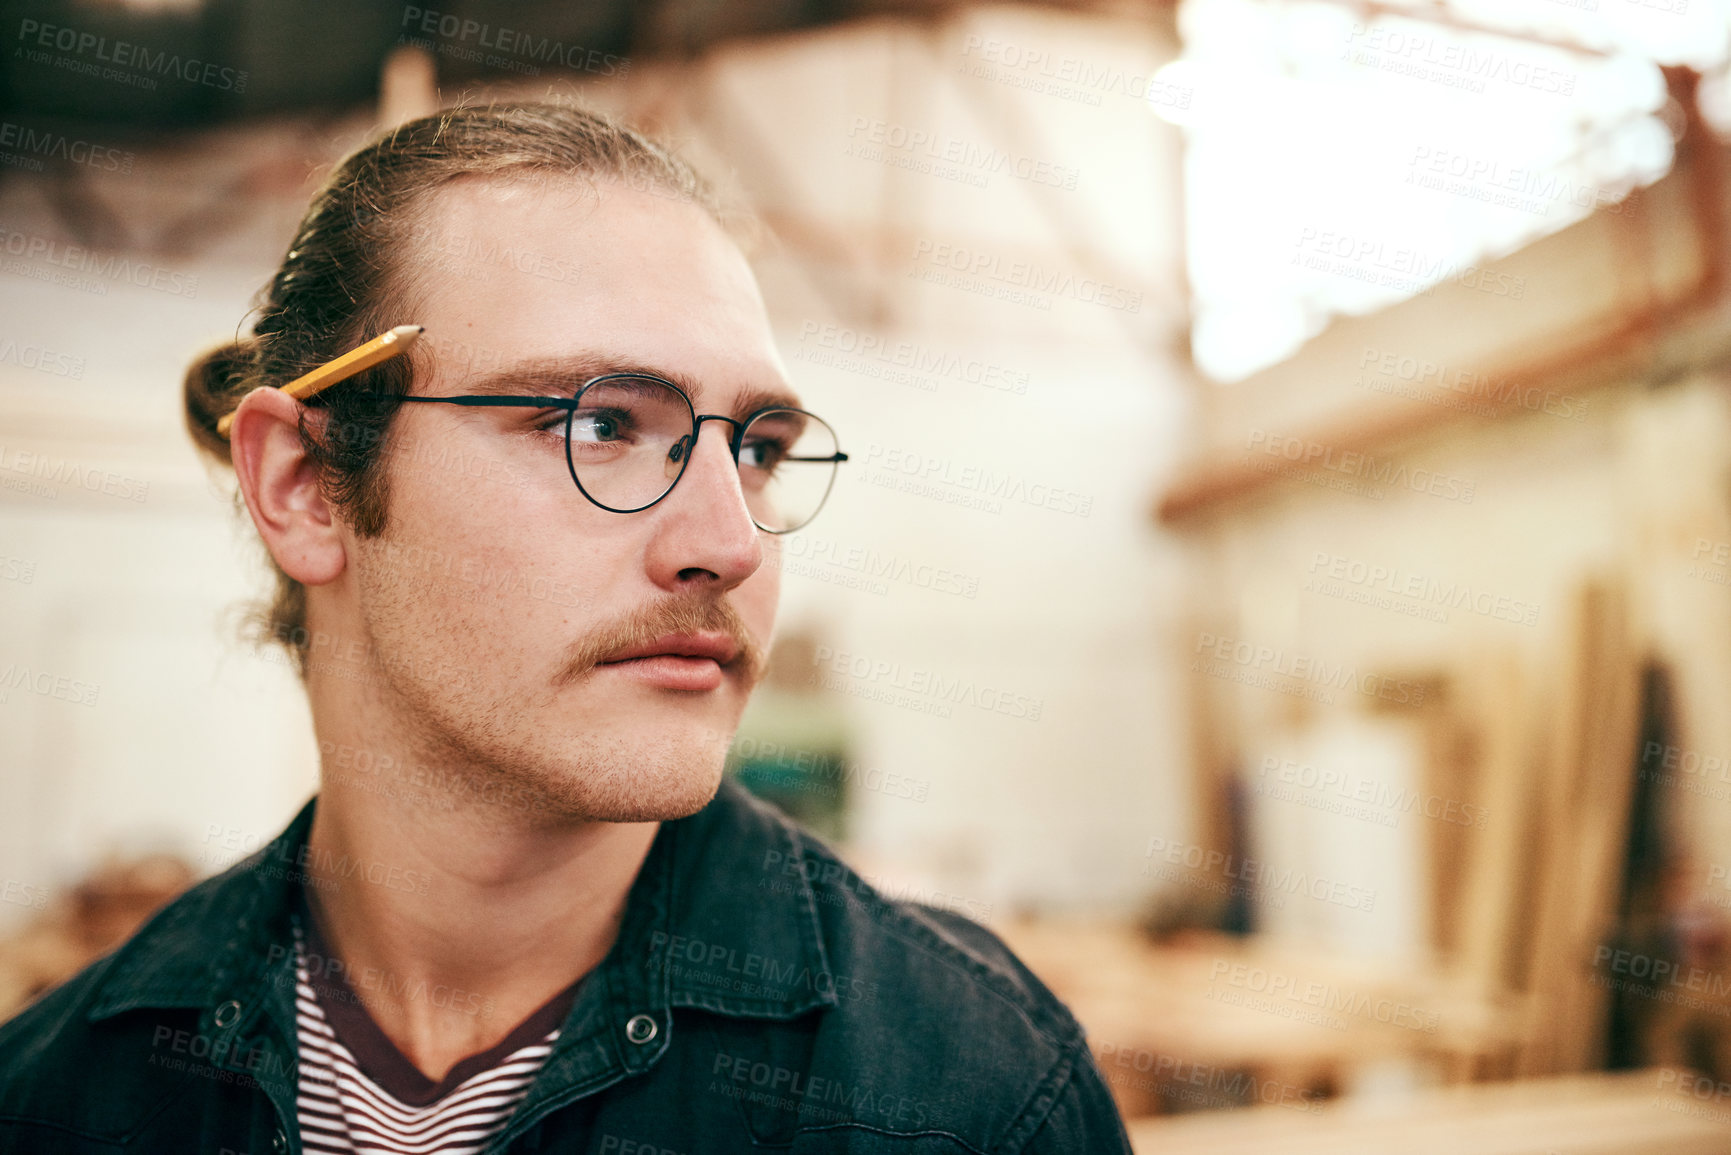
(722, 917)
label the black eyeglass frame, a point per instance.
(574, 402)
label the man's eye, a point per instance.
(762, 453)
(604, 425)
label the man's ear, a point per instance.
(281, 487)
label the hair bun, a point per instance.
(215, 383)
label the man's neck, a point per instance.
(414, 899)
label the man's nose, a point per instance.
(705, 533)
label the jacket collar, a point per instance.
(743, 936)
(721, 917)
(191, 952)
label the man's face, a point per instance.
(498, 589)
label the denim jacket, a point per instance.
(760, 997)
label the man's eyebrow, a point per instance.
(545, 376)
(752, 401)
(561, 377)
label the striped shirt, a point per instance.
(359, 1095)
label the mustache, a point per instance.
(671, 616)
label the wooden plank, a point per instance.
(1605, 795)
(1547, 968)
(1585, 810)
(1634, 1113)
(1494, 867)
(1499, 867)
(1220, 1010)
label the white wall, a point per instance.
(191, 733)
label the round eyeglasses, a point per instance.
(629, 437)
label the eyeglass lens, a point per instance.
(629, 438)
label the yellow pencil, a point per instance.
(379, 349)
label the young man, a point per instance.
(529, 573)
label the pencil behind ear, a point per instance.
(215, 383)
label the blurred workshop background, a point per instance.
(1282, 583)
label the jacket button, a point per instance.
(279, 1141)
(227, 1013)
(640, 1029)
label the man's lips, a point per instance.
(677, 661)
(718, 648)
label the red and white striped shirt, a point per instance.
(359, 1095)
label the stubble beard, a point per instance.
(465, 754)
(608, 780)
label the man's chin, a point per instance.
(651, 794)
(662, 807)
